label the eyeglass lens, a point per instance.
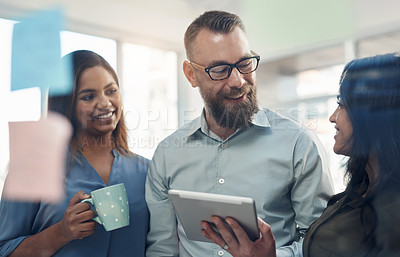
(223, 71)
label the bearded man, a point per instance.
(236, 148)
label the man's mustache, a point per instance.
(235, 92)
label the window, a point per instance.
(318, 82)
(304, 88)
(107, 48)
(150, 93)
(6, 103)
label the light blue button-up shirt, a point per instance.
(279, 164)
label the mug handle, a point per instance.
(90, 200)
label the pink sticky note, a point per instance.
(37, 159)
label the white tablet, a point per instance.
(194, 207)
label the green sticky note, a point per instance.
(36, 54)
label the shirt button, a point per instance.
(220, 253)
(223, 146)
(221, 181)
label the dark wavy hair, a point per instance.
(370, 93)
(65, 105)
(216, 21)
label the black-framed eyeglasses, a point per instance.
(223, 71)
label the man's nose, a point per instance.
(236, 79)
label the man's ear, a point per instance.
(188, 70)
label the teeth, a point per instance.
(237, 97)
(104, 116)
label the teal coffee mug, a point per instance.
(111, 205)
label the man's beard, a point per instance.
(232, 116)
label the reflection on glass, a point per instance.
(24, 105)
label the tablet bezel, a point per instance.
(193, 207)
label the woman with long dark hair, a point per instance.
(98, 156)
(364, 219)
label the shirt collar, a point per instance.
(259, 119)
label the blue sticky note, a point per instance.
(36, 54)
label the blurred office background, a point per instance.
(303, 47)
